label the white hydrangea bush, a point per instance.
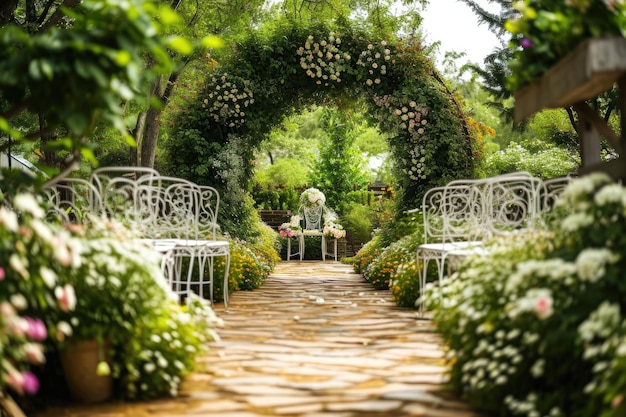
(537, 327)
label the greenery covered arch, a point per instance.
(282, 69)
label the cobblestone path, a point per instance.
(314, 341)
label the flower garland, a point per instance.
(323, 60)
(375, 60)
(228, 101)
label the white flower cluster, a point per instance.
(413, 118)
(312, 197)
(416, 164)
(228, 101)
(528, 406)
(501, 312)
(375, 60)
(323, 60)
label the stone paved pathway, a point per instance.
(314, 341)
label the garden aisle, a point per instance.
(314, 340)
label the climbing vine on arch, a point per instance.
(283, 68)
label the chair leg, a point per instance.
(226, 269)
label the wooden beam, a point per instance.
(591, 69)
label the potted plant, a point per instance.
(62, 285)
(128, 318)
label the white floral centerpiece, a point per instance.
(332, 228)
(312, 198)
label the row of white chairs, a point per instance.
(460, 216)
(178, 218)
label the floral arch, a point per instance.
(276, 71)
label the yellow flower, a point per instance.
(103, 369)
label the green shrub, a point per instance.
(366, 255)
(383, 268)
(538, 325)
(358, 222)
(405, 286)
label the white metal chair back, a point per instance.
(117, 186)
(73, 199)
(511, 203)
(452, 213)
(313, 217)
(166, 207)
(208, 209)
(550, 191)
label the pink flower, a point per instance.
(66, 297)
(36, 329)
(2, 273)
(30, 383)
(543, 307)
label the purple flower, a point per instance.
(526, 43)
(31, 383)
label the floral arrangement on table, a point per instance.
(538, 327)
(547, 30)
(292, 228)
(312, 198)
(62, 283)
(334, 230)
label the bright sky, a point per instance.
(456, 26)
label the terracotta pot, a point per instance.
(79, 360)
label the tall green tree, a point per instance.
(339, 167)
(69, 67)
(220, 18)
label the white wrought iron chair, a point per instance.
(451, 216)
(73, 199)
(313, 227)
(182, 216)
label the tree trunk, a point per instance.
(48, 158)
(150, 137)
(133, 155)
